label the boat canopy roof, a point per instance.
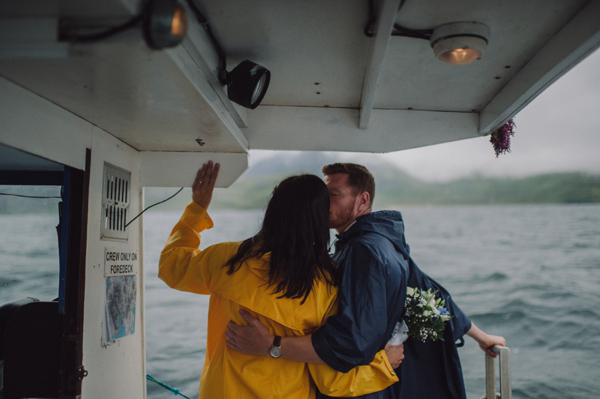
(346, 75)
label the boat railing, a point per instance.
(504, 377)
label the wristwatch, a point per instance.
(275, 350)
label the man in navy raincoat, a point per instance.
(376, 268)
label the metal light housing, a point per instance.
(460, 43)
(165, 24)
(247, 84)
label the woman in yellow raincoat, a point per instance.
(283, 275)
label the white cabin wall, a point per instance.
(116, 370)
(34, 125)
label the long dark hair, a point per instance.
(296, 232)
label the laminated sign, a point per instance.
(120, 270)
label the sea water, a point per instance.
(530, 273)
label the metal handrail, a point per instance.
(490, 374)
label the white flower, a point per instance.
(425, 315)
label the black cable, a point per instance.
(222, 75)
(415, 33)
(29, 196)
(138, 215)
(398, 30)
(158, 203)
(371, 21)
(110, 31)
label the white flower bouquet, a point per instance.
(425, 317)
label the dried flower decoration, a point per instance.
(500, 138)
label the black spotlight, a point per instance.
(247, 84)
(165, 24)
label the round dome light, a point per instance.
(459, 43)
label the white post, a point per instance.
(504, 361)
(490, 378)
(490, 374)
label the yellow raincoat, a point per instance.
(231, 374)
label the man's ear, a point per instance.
(363, 202)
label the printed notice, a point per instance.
(120, 262)
(120, 269)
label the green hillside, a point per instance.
(556, 188)
(394, 188)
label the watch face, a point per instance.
(275, 351)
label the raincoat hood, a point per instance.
(388, 224)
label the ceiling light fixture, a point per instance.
(459, 43)
(248, 82)
(165, 24)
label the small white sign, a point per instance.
(119, 262)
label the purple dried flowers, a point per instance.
(500, 138)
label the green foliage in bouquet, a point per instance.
(425, 315)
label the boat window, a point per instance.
(30, 191)
(29, 261)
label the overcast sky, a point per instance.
(558, 131)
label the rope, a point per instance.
(175, 391)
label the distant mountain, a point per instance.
(311, 162)
(290, 163)
(252, 189)
(563, 188)
(258, 181)
(395, 188)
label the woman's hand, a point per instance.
(395, 354)
(204, 184)
(486, 341)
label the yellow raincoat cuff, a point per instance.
(197, 217)
(361, 380)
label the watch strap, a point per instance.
(277, 341)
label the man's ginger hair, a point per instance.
(359, 177)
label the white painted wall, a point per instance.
(34, 125)
(115, 370)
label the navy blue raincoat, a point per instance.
(376, 268)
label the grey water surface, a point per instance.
(530, 273)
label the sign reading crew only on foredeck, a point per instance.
(120, 270)
(119, 262)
